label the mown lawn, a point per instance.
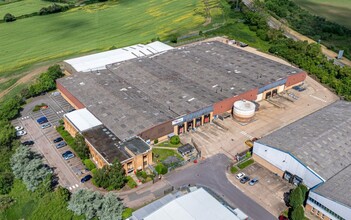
(32, 206)
(168, 144)
(95, 27)
(338, 11)
(23, 7)
(163, 154)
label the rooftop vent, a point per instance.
(189, 100)
(82, 83)
(104, 129)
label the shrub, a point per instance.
(175, 140)
(89, 164)
(54, 8)
(77, 143)
(94, 171)
(131, 183)
(5, 202)
(37, 107)
(297, 213)
(246, 164)
(156, 141)
(161, 169)
(111, 177)
(9, 17)
(234, 169)
(295, 199)
(127, 213)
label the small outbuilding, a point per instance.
(186, 149)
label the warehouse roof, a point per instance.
(198, 204)
(82, 119)
(135, 95)
(337, 188)
(98, 61)
(321, 140)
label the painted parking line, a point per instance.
(246, 134)
(315, 97)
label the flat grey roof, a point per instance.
(135, 95)
(320, 140)
(111, 147)
(337, 188)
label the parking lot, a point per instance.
(268, 191)
(231, 136)
(69, 171)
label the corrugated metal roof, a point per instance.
(98, 61)
(82, 119)
(192, 206)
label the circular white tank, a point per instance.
(244, 110)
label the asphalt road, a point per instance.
(211, 173)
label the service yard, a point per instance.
(268, 191)
(69, 171)
(228, 136)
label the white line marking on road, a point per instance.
(76, 185)
(315, 97)
(246, 134)
(70, 188)
(73, 187)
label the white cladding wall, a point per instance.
(285, 161)
(259, 97)
(337, 208)
(281, 88)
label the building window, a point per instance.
(323, 216)
(313, 210)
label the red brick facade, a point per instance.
(227, 104)
(69, 97)
(295, 79)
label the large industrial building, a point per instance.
(175, 90)
(104, 146)
(315, 150)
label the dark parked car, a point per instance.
(42, 120)
(61, 144)
(27, 143)
(244, 179)
(58, 139)
(86, 178)
(67, 155)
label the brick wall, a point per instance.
(295, 79)
(227, 104)
(69, 97)
(267, 165)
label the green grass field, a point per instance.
(23, 7)
(95, 27)
(338, 11)
(30, 205)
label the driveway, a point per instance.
(211, 173)
(269, 191)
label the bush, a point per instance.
(89, 164)
(111, 177)
(94, 171)
(175, 140)
(161, 169)
(131, 183)
(5, 202)
(295, 199)
(37, 107)
(9, 17)
(246, 164)
(156, 141)
(54, 8)
(127, 213)
(77, 143)
(234, 169)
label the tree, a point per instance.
(6, 181)
(9, 17)
(112, 208)
(93, 204)
(161, 169)
(7, 133)
(5, 202)
(175, 140)
(81, 148)
(304, 191)
(27, 166)
(295, 199)
(297, 213)
(111, 177)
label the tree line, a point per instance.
(304, 55)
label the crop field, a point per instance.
(23, 7)
(338, 11)
(97, 27)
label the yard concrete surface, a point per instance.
(268, 192)
(230, 136)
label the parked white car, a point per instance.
(240, 175)
(19, 128)
(20, 133)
